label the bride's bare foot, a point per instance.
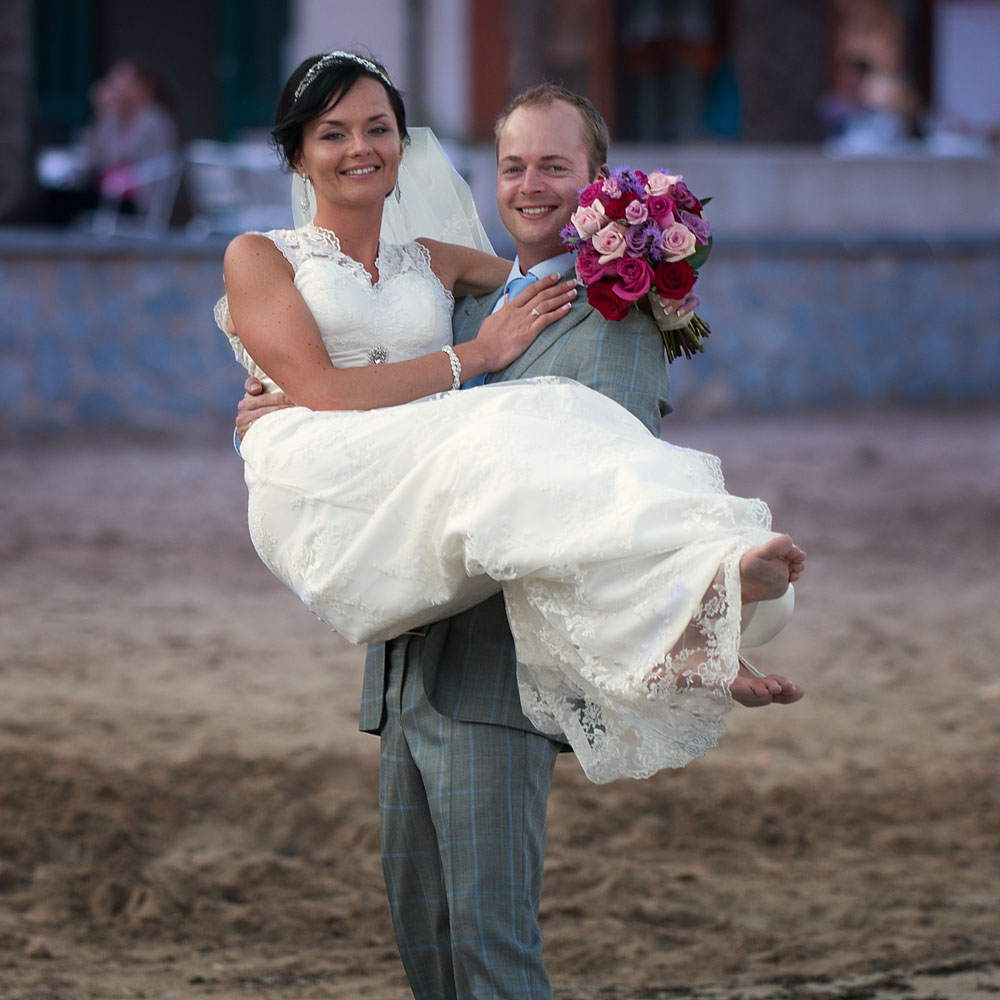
(765, 572)
(752, 691)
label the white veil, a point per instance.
(435, 201)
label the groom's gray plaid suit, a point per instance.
(464, 776)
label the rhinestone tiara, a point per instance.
(320, 64)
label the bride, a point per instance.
(385, 500)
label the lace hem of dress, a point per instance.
(670, 716)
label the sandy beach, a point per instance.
(187, 810)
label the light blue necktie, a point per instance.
(516, 285)
(510, 291)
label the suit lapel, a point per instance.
(546, 339)
(469, 315)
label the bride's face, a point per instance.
(351, 152)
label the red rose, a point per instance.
(602, 297)
(614, 208)
(673, 280)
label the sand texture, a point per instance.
(186, 809)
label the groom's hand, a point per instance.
(256, 403)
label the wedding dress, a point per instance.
(617, 553)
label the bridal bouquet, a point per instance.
(638, 236)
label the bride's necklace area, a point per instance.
(330, 236)
(378, 354)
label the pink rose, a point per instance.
(588, 265)
(588, 220)
(636, 213)
(611, 188)
(634, 279)
(660, 182)
(610, 242)
(661, 209)
(677, 242)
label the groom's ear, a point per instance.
(603, 173)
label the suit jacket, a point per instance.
(468, 661)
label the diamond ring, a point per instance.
(535, 312)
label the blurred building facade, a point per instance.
(661, 71)
(849, 146)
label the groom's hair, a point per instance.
(595, 129)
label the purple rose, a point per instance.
(696, 224)
(634, 279)
(682, 195)
(639, 238)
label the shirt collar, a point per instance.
(554, 265)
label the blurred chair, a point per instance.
(235, 187)
(151, 186)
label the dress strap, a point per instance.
(291, 245)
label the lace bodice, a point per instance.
(405, 314)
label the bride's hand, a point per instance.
(510, 331)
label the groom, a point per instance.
(464, 777)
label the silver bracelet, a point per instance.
(456, 367)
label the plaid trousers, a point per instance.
(463, 825)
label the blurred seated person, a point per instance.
(123, 152)
(868, 111)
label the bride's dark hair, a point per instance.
(324, 90)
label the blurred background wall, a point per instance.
(850, 146)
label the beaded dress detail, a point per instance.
(617, 553)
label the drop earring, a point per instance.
(304, 200)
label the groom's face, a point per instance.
(542, 163)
